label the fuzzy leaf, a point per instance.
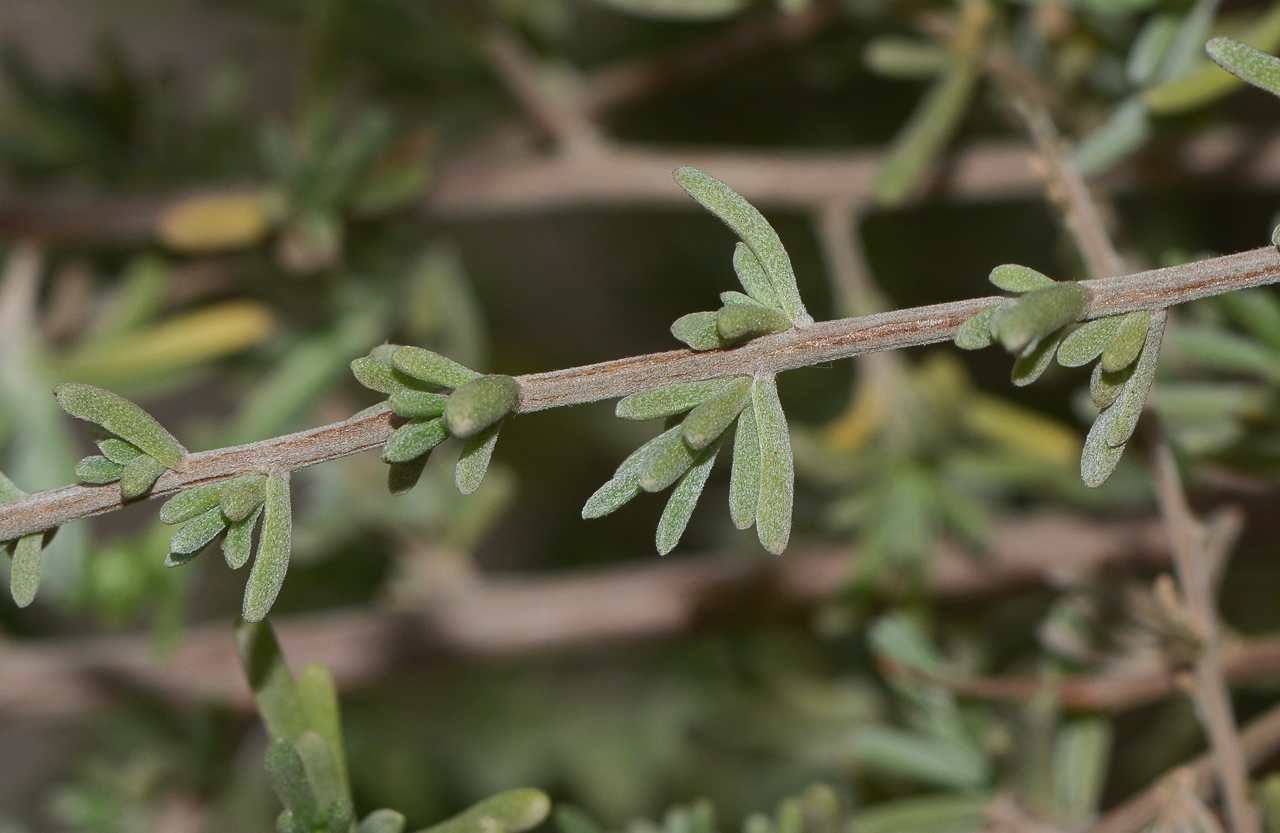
(1123, 349)
(751, 226)
(117, 450)
(272, 560)
(713, 417)
(668, 401)
(699, 331)
(289, 780)
(98, 470)
(669, 456)
(243, 496)
(1246, 63)
(238, 542)
(904, 58)
(623, 486)
(474, 462)
(777, 467)
(732, 298)
(274, 693)
(1020, 324)
(975, 332)
(431, 367)
(740, 322)
(139, 475)
(413, 440)
(402, 477)
(1012, 277)
(417, 404)
(122, 418)
(1086, 343)
(194, 536)
(675, 517)
(1105, 387)
(922, 139)
(382, 821)
(319, 696)
(189, 503)
(321, 767)
(1128, 406)
(744, 476)
(24, 572)
(1033, 364)
(479, 404)
(1098, 459)
(753, 277)
(378, 376)
(513, 811)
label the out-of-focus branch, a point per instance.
(577, 611)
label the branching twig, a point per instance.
(799, 347)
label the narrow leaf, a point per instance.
(921, 759)
(940, 813)
(189, 503)
(480, 403)
(474, 462)
(117, 450)
(122, 418)
(1099, 459)
(752, 276)
(243, 496)
(1081, 754)
(377, 376)
(777, 467)
(24, 572)
(739, 322)
(1128, 128)
(751, 226)
(732, 298)
(1246, 63)
(289, 780)
(322, 771)
(1123, 349)
(675, 517)
(699, 331)
(713, 417)
(382, 821)
(623, 486)
(668, 401)
(319, 697)
(238, 542)
(274, 692)
(1033, 364)
(414, 440)
(98, 470)
(272, 560)
(417, 404)
(193, 536)
(402, 477)
(1012, 277)
(922, 139)
(975, 332)
(904, 58)
(1257, 311)
(669, 456)
(744, 476)
(1105, 387)
(513, 811)
(1020, 324)
(1150, 47)
(139, 475)
(1128, 406)
(1087, 341)
(431, 367)
(1189, 40)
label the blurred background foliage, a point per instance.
(232, 200)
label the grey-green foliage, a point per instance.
(480, 403)
(206, 511)
(512, 811)
(1246, 63)
(24, 571)
(927, 132)
(272, 559)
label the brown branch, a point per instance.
(799, 347)
(576, 611)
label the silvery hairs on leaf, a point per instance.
(1020, 324)
(1088, 341)
(189, 503)
(754, 230)
(680, 506)
(139, 475)
(122, 418)
(1012, 277)
(713, 417)
(777, 466)
(1246, 63)
(24, 571)
(194, 536)
(480, 403)
(272, 559)
(474, 462)
(668, 401)
(431, 367)
(744, 476)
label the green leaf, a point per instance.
(8, 490)
(668, 401)
(744, 475)
(193, 536)
(732, 298)
(738, 322)
(117, 450)
(1128, 406)
(940, 813)
(904, 58)
(699, 331)
(1105, 387)
(238, 542)
(753, 277)
(122, 418)
(921, 759)
(1149, 47)
(382, 821)
(272, 559)
(1213, 348)
(1246, 63)
(512, 811)
(474, 462)
(319, 697)
(975, 332)
(321, 768)
(189, 503)
(413, 440)
(341, 816)
(1012, 277)
(380, 376)
(98, 470)
(751, 226)
(900, 637)
(139, 475)
(1081, 754)
(1189, 40)
(922, 139)
(675, 517)
(1087, 341)
(668, 457)
(274, 692)
(431, 367)
(1031, 365)
(623, 486)
(1123, 349)
(24, 572)
(713, 417)
(480, 403)
(402, 477)
(243, 496)
(1127, 129)
(417, 404)
(1099, 459)
(1020, 324)
(777, 467)
(289, 780)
